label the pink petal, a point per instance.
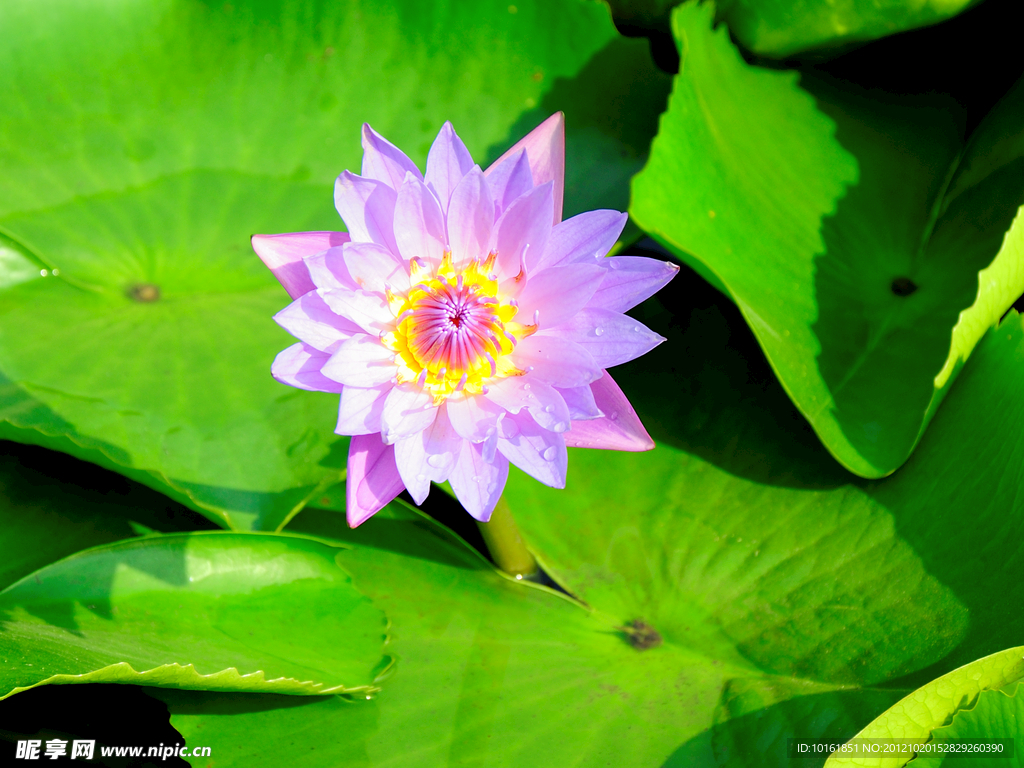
(372, 480)
(558, 293)
(509, 180)
(372, 267)
(583, 238)
(545, 148)
(428, 456)
(370, 311)
(542, 400)
(523, 230)
(538, 452)
(474, 417)
(447, 162)
(419, 224)
(409, 409)
(631, 279)
(368, 209)
(362, 361)
(283, 255)
(360, 409)
(309, 319)
(470, 218)
(618, 430)
(611, 337)
(299, 366)
(383, 161)
(328, 270)
(580, 401)
(558, 362)
(477, 482)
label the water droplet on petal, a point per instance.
(476, 478)
(435, 460)
(526, 386)
(548, 409)
(561, 426)
(613, 415)
(636, 328)
(549, 453)
(421, 477)
(598, 331)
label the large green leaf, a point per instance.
(850, 228)
(791, 598)
(932, 706)
(143, 142)
(215, 611)
(47, 513)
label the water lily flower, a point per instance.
(463, 323)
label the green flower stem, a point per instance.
(501, 534)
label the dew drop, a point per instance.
(435, 461)
(561, 426)
(526, 386)
(43, 272)
(636, 329)
(548, 409)
(56, 272)
(598, 331)
(549, 453)
(476, 478)
(421, 477)
(613, 415)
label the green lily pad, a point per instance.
(215, 611)
(956, 696)
(143, 144)
(49, 512)
(850, 228)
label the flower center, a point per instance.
(453, 332)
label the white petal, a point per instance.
(474, 417)
(408, 409)
(419, 223)
(611, 338)
(369, 311)
(470, 218)
(477, 482)
(538, 452)
(558, 362)
(542, 400)
(371, 267)
(558, 293)
(309, 319)
(581, 403)
(360, 409)
(362, 361)
(368, 209)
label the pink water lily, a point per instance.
(463, 323)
